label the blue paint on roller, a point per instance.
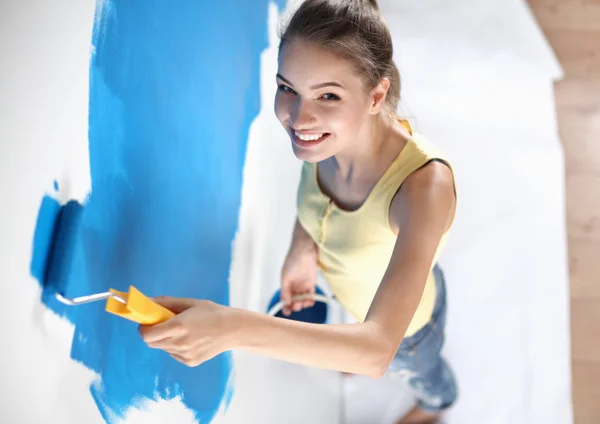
(316, 314)
(43, 237)
(54, 250)
(174, 88)
(64, 241)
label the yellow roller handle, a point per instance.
(138, 308)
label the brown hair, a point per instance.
(353, 30)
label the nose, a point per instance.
(303, 115)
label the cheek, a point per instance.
(342, 119)
(282, 107)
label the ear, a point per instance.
(378, 95)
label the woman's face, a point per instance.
(320, 101)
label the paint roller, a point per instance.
(55, 238)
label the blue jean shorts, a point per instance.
(418, 361)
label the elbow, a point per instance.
(381, 361)
(377, 372)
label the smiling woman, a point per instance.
(337, 95)
(375, 205)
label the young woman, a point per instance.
(375, 204)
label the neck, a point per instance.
(364, 157)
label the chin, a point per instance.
(312, 153)
(308, 155)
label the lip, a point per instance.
(308, 132)
(306, 143)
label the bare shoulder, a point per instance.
(432, 178)
(428, 192)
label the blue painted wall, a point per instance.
(174, 87)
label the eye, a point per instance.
(285, 88)
(332, 97)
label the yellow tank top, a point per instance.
(355, 247)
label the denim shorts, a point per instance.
(418, 361)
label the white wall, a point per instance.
(44, 49)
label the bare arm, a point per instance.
(423, 210)
(301, 239)
(202, 329)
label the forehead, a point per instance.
(305, 64)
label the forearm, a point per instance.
(301, 239)
(353, 348)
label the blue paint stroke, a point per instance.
(174, 87)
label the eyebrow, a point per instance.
(317, 86)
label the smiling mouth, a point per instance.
(308, 140)
(310, 136)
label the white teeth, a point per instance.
(311, 137)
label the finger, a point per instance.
(297, 307)
(309, 302)
(175, 304)
(285, 293)
(157, 332)
(297, 304)
(169, 344)
(189, 361)
(179, 358)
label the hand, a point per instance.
(299, 276)
(194, 335)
